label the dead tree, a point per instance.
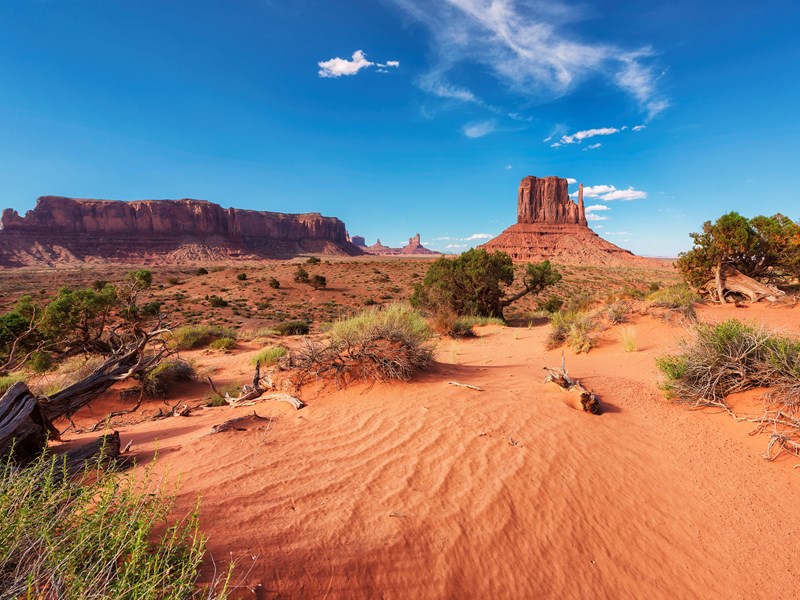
(561, 378)
(729, 280)
(250, 393)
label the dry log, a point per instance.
(23, 424)
(466, 385)
(729, 280)
(106, 448)
(251, 393)
(561, 378)
(233, 424)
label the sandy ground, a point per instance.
(427, 490)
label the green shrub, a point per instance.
(572, 328)
(217, 302)
(274, 283)
(678, 295)
(300, 275)
(198, 336)
(102, 535)
(551, 305)
(224, 344)
(269, 356)
(6, 381)
(313, 260)
(317, 281)
(291, 328)
(201, 271)
(242, 276)
(158, 380)
(40, 362)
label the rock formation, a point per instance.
(550, 225)
(359, 241)
(414, 247)
(62, 229)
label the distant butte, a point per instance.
(63, 230)
(551, 226)
(414, 247)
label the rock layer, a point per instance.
(62, 229)
(551, 226)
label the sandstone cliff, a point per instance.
(551, 226)
(62, 229)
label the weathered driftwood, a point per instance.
(729, 280)
(466, 385)
(561, 378)
(251, 393)
(23, 424)
(233, 424)
(106, 448)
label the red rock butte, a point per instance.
(67, 230)
(413, 248)
(551, 226)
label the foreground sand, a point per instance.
(426, 490)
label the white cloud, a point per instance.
(336, 67)
(639, 127)
(478, 236)
(618, 233)
(571, 180)
(596, 208)
(456, 246)
(594, 217)
(592, 146)
(509, 166)
(479, 129)
(528, 47)
(607, 193)
(579, 136)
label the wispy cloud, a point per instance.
(336, 67)
(594, 217)
(478, 236)
(597, 207)
(608, 193)
(456, 246)
(528, 48)
(571, 180)
(592, 146)
(509, 166)
(479, 129)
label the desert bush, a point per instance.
(223, 344)
(101, 536)
(201, 271)
(242, 277)
(551, 305)
(217, 302)
(274, 283)
(578, 302)
(158, 380)
(376, 345)
(269, 356)
(313, 260)
(678, 297)
(718, 360)
(40, 362)
(617, 312)
(6, 381)
(291, 328)
(300, 275)
(471, 283)
(572, 328)
(317, 281)
(627, 339)
(173, 280)
(198, 336)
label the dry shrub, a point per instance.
(678, 298)
(627, 338)
(158, 381)
(617, 312)
(571, 328)
(376, 345)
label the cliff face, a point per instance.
(78, 229)
(550, 226)
(546, 200)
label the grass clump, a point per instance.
(571, 328)
(198, 336)
(6, 381)
(269, 356)
(627, 339)
(158, 381)
(223, 344)
(291, 328)
(375, 345)
(729, 357)
(678, 297)
(100, 536)
(617, 312)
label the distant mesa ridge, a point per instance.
(60, 230)
(551, 226)
(414, 247)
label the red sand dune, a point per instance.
(426, 490)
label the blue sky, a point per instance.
(671, 113)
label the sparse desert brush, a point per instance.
(718, 360)
(291, 328)
(6, 381)
(678, 297)
(617, 312)
(375, 345)
(572, 328)
(198, 336)
(100, 535)
(578, 302)
(223, 344)
(157, 382)
(551, 305)
(274, 283)
(269, 356)
(627, 339)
